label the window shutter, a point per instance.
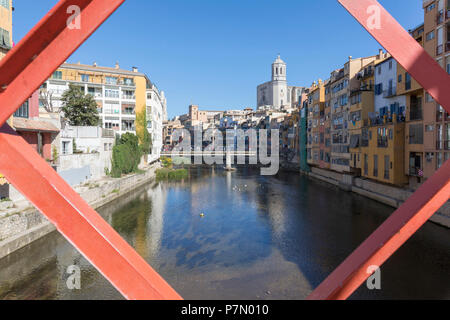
(6, 38)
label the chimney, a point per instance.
(135, 69)
(117, 65)
(380, 53)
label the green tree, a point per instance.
(145, 140)
(79, 109)
(126, 155)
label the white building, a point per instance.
(276, 94)
(156, 115)
(386, 99)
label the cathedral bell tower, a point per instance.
(279, 70)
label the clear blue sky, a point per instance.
(215, 52)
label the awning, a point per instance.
(29, 125)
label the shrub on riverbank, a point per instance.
(166, 162)
(126, 155)
(171, 174)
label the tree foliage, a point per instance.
(145, 140)
(79, 109)
(126, 155)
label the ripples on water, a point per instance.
(260, 238)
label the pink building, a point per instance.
(37, 132)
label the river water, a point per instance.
(260, 238)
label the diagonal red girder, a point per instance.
(434, 193)
(22, 71)
(31, 62)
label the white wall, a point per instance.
(386, 75)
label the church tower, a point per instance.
(281, 96)
(279, 70)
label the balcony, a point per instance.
(339, 76)
(383, 142)
(440, 17)
(128, 97)
(391, 92)
(362, 88)
(416, 172)
(415, 114)
(365, 74)
(447, 145)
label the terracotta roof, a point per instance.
(21, 124)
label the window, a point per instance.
(430, 35)
(429, 128)
(23, 111)
(430, 7)
(65, 147)
(128, 82)
(111, 80)
(407, 81)
(399, 78)
(416, 134)
(439, 160)
(84, 78)
(5, 39)
(387, 166)
(375, 165)
(57, 75)
(109, 93)
(5, 3)
(390, 65)
(378, 89)
(428, 97)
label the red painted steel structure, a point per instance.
(48, 45)
(22, 71)
(392, 234)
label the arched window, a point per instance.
(281, 70)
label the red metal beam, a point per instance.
(88, 232)
(434, 193)
(404, 48)
(45, 48)
(22, 71)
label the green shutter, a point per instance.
(6, 38)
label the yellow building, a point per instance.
(361, 104)
(6, 41)
(315, 135)
(120, 94)
(384, 153)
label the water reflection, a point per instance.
(280, 235)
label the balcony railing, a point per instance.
(440, 49)
(362, 88)
(417, 172)
(390, 92)
(382, 142)
(440, 17)
(447, 145)
(439, 145)
(416, 114)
